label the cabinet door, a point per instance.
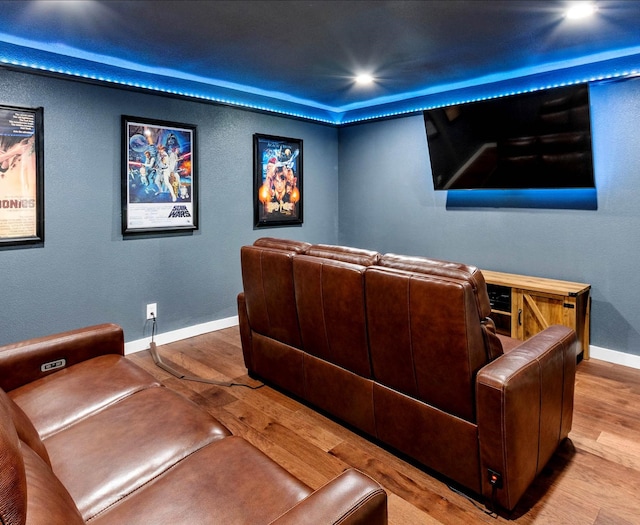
(535, 312)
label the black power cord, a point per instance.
(161, 364)
(489, 512)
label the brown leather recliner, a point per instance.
(101, 441)
(403, 348)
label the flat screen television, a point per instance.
(537, 140)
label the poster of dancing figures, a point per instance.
(21, 176)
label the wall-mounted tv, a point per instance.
(537, 140)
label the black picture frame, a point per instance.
(159, 176)
(21, 176)
(277, 181)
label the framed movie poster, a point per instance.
(159, 176)
(277, 183)
(21, 176)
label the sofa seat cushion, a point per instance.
(103, 458)
(59, 400)
(228, 482)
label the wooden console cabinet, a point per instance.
(522, 306)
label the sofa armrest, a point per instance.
(524, 403)
(350, 499)
(22, 362)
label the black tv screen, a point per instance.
(533, 140)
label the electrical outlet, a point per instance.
(152, 310)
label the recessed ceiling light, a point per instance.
(580, 10)
(364, 79)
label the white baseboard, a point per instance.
(615, 357)
(177, 335)
(595, 352)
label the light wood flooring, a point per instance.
(593, 479)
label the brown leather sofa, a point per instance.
(101, 441)
(403, 349)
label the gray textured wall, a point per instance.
(86, 272)
(387, 202)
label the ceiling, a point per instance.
(302, 56)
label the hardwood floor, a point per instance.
(593, 479)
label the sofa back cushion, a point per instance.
(267, 278)
(282, 244)
(443, 269)
(425, 337)
(344, 254)
(455, 270)
(331, 309)
(22, 361)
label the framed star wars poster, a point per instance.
(159, 176)
(21, 176)
(277, 183)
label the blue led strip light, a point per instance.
(36, 60)
(607, 70)
(22, 57)
(557, 198)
